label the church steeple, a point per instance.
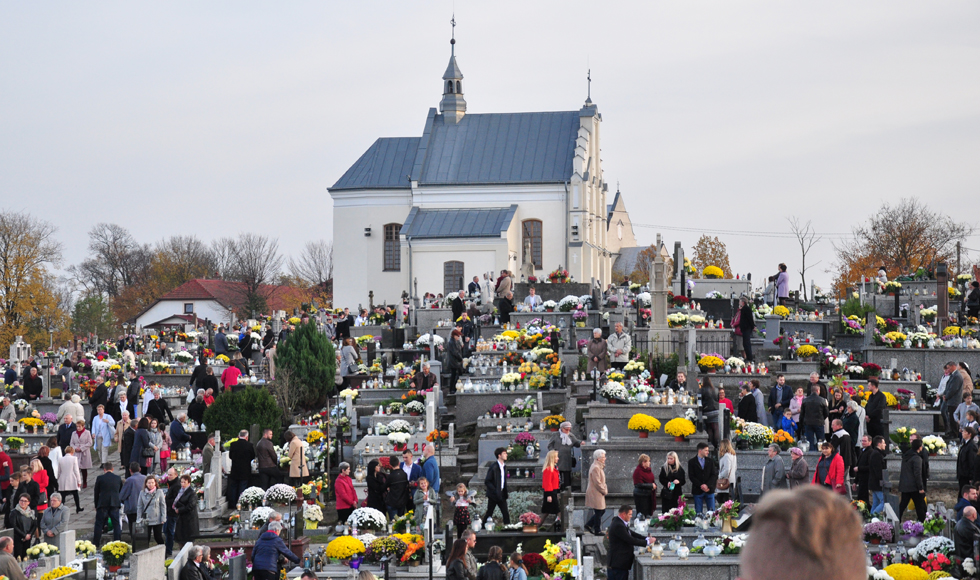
(453, 105)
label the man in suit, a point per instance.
(474, 287)
(413, 471)
(397, 487)
(65, 431)
(703, 473)
(953, 396)
(779, 398)
(841, 440)
(132, 394)
(622, 540)
(192, 568)
(241, 453)
(496, 486)
(874, 409)
(107, 488)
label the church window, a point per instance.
(449, 87)
(452, 279)
(459, 87)
(531, 231)
(619, 230)
(393, 252)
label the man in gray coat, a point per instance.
(953, 396)
(760, 404)
(564, 443)
(619, 344)
(774, 472)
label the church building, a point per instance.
(475, 193)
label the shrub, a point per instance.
(232, 412)
(308, 357)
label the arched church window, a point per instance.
(459, 87)
(393, 251)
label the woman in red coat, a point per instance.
(830, 469)
(346, 496)
(40, 476)
(549, 484)
(644, 487)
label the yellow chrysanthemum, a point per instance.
(679, 427)
(641, 422)
(345, 548)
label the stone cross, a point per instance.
(216, 459)
(659, 329)
(148, 564)
(66, 546)
(870, 325)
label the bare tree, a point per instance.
(182, 258)
(254, 261)
(285, 390)
(221, 255)
(806, 237)
(117, 261)
(315, 264)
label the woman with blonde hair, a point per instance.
(672, 481)
(727, 465)
(40, 477)
(549, 484)
(644, 487)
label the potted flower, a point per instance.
(498, 410)
(644, 424)
(878, 532)
(414, 550)
(550, 305)
(312, 516)
(806, 352)
(713, 273)
(15, 443)
(580, 316)
(399, 439)
(344, 548)
(386, 547)
(280, 494)
(935, 523)
(552, 422)
(912, 531)
(511, 380)
(84, 549)
(535, 564)
(366, 518)
(710, 363)
(934, 444)
(727, 513)
(680, 428)
(531, 522)
(114, 554)
(415, 408)
(676, 518)
(614, 391)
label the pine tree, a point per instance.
(308, 358)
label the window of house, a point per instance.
(531, 231)
(393, 252)
(188, 308)
(452, 277)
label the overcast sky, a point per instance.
(213, 118)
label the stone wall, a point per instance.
(469, 406)
(616, 417)
(550, 291)
(927, 361)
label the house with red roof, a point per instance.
(213, 300)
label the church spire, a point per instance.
(453, 105)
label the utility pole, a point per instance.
(958, 259)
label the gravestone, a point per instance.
(659, 329)
(772, 328)
(452, 434)
(148, 564)
(173, 571)
(870, 324)
(212, 491)
(215, 467)
(588, 568)
(430, 411)
(66, 546)
(237, 568)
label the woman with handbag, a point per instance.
(727, 466)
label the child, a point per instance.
(787, 424)
(461, 516)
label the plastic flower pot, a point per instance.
(680, 438)
(644, 434)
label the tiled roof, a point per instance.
(458, 223)
(232, 294)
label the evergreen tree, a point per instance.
(232, 412)
(309, 360)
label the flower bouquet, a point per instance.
(783, 439)
(251, 497)
(437, 436)
(644, 424)
(732, 544)
(680, 428)
(366, 518)
(531, 522)
(552, 422)
(260, 516)
(312, 515)
(511, 379)
(280, 494)
(114, 553)
(183, 357)
(558, 276)
(934, 444)
(901, 436)
(84, 549)
(403, 524)
(414, 551)
(385, 547)
(935, 523)
(535, 564)
(674, 519)
(524, 439)
(878, 532)
(399, 439)
(314, 436)
(345, 548)
(614, 391)
(709, 363)
(41, 550)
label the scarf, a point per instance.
(180, 493)
(566, 439)
(29, 513)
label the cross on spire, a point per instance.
(452, 41)
(588, 98)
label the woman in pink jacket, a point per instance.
(346, 496)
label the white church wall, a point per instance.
(478, 257)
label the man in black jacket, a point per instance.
(875, 408)
(33, 386)
(621, 542)
(841, 440)
(876, 474)
(911, 483)
(861, 469)
(170, 528)
(813, 413)
(966, 459)
(269, 473)
(126, 449)
(496, 485)
(241, 453)
(65, 431)
(397, 487)
(100, 396)
(107, 488)
(159, 409)
(703, 473)
(964, 533)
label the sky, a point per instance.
(718, 116)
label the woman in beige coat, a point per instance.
(298, 470)
(598, 353)
(595, 494)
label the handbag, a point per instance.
(147, 452)
(723, 483)
(735, 322)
